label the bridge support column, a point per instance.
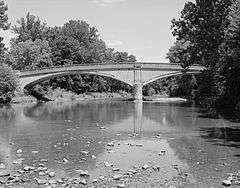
(137, 86)
(137, 92)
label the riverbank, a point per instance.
(61, 95)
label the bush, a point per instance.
(8, 83)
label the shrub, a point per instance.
(8, 83)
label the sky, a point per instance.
(140, 27)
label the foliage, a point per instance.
(76, 42)
(29, 28)
(203, 25)
(212, 30)
(30, 55)
(8, 83)
(4, 25)
(182, 85)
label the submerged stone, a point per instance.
(226, 182)
(145, 167)
(83, 182)
(117, 176)
(121, 185)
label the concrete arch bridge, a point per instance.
(135, 74)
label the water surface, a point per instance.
(206, 149)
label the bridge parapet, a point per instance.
(109, 67)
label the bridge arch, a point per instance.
(28, 82)
(169, 75)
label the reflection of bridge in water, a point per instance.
(134, 74)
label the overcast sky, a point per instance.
(141, 27)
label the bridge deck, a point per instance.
(108, 67)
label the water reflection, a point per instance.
(61, 129)
(100, 111)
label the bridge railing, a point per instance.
(133, 64)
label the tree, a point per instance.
(66, 50)
(81, 31)
(179, 54)
(8, 83)
(30, 54)
(123, 57)
(203, 24)
(29, 28)
(4, 25)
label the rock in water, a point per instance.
(2, 166)
(226, 182)
(51, 174)
(145, 167)
(19, 151)
(121, 185)
(117, 176)
(83, 182)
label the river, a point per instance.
(176, 143)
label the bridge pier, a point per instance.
(137, 92)
(137, 86)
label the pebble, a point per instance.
(94, 180)
(121, 185)
(19, 151)
(117, 176)
(2, 166)
(51, 174)
(84, 152)
(116, 169)
(29, 168)
(111, 144)
(145, 167)
(163, 152)
(226, 182)
(65, 160)
(40, 181)
(107, 164)
(83, 172)
(156, 168)
(42, 173)
(52, 181)
(83, 182)
(94, 157)
(18, 161)
(43, 160)
(35, 152)
(132, 171)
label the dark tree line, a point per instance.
(8, 80)
(208, 34)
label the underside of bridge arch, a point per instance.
(169, 75)
(28, 82)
